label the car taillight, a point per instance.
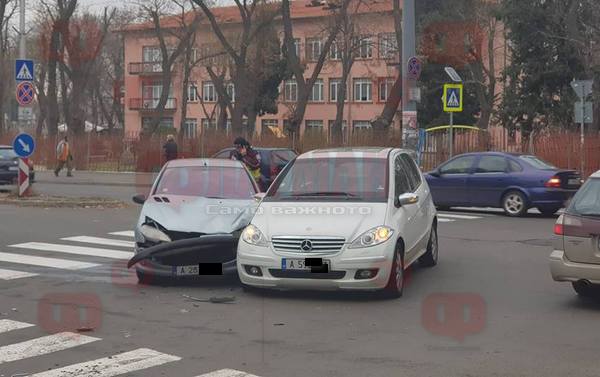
(553, 182)
(558, 226)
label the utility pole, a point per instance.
(409, 106)
(22, 32)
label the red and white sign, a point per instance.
(25, 93)
(23, 176)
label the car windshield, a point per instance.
(206, 181)
(537, 163)
(587, 200)
(326, 179)
(7, 154)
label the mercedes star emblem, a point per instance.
(306, 245)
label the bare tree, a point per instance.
(172, 41)
(255, 16)
(7, 11)
(305, 85)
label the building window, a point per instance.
(192, 93)
(314, 47)
(208, 92)
(208, 124)
(365, 47)
(385, 88)
(297, 46)
(362, 90)
(316, 94)
(335, 85)
(290, 92)
(190, 128)
(314, 126)
(165, 123)
(361, 125)
(269, 126)
(335, 52)
(230, 88)
(388, 46)
(151, 54)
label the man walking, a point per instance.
(170, 148)
(64, 157)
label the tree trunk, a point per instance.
(52, 103)
(386, 118)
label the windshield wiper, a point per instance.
(325, 193)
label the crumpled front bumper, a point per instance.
(204, 249)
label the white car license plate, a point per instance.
(187, 270)
(297, 264)
(13, 168)
(574, 181)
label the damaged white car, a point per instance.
(191, 222)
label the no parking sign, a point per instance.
(25, 93)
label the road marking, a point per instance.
(125, 233)
(10, 274)
(100, 241)
(462, 217)
(78, 250)
(43, 346)
(45, 262)
(227, 373)
(116, 365)
(442, 220)
(7, 325)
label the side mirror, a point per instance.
(259, 196)
(139, 199)
(407, 199)
(436, 173)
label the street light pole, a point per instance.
(409, 107)
(22, 32)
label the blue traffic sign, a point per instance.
(25, 93)
(453, 98)
(24, 145)
(24, 70)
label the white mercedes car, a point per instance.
(347, 219)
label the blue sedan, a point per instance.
(513, 182)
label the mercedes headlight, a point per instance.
(154, 235)
(372, 237)
(253, 236)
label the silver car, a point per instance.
(190, 223)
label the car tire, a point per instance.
(585, 290)
(395, 284)
(548, 211)
(430, 258)
(514, 204)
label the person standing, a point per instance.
(248, 156)
(64, 157)
(170, 148)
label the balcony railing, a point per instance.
(150, 104)
(145, 68)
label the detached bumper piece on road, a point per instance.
(188, 258)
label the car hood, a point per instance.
(197, 214)
(338, 219)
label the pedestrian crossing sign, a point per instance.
(453, 98)
(24, 70)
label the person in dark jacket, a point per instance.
(170, 148)
(245, 153)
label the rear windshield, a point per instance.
(537, 163)
(331, 179)
(7, 154)
(587, 200)
(282, 157)
(206, 181)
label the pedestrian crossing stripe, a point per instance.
(77, 250)
(11, 274)
(124, 233)
(116, 365)
(43, 346)
(100, 241)
(228, 373)
(64, 264)
(7, 325)
(24, 74)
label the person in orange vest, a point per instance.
(64, 157)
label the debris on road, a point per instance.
(85, 329)
(212, 300)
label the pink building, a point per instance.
(369, 83)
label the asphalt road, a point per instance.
(517, 321)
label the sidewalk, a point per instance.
(122, 179)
